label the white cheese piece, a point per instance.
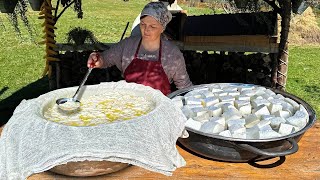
(243, 88)
(278, 96)
(225, 133)
(251, 120)
(192, 124)
(268, 134)
(285, 129)
(264, 125)
(240, 135)
(241, 122)
(258, 102)
(233, 93)
(192, 100)
(199, 111)
(237, 129)
(240, 103)
(274, 108)
(214, 111)
(267, 117)
(266, 96)
(260, 88)
(252, 133)
(283, 114)
(207, 94)
(200, 90)
(270, 92)
(203, 117)
(256, 97)
(221, 93)
(243, 98)
(230, 88)
(293, 103)
(223, 104)
(248, 93)
(220, 120)
(192, 94)
(245, 110)
(227, 106)
(209, 101)
(287, 107)
(226, 98)
(276, 121)
(299, 119)
(231, 113)
(276, 101)
(215, 90)
(261, 110)
(187, 112)
(302, 108)
(212, 127)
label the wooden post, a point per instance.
(282, 59)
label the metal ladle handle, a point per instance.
(85, 77)
(82, 83)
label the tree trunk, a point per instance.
(282, 59)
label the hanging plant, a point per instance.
(79, 36)
(36, 4)
(20, 11)
(7, 6)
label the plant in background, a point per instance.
(79, 36)
(20, 11)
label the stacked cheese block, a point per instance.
(241, 111)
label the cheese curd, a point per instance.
(103, 108)
(248, 111)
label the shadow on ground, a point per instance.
(30, 91)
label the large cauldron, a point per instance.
(243, 150)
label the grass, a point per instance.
(22, 63)
(303, 74)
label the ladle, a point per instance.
(71, 104)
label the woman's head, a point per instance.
(154, 19)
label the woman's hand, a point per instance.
(95, 60)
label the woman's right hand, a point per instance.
(95, 60)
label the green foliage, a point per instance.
(79, 36)
(303, 74)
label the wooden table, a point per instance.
(304, 164)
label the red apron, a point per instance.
(149, 73)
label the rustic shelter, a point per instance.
(246, 44)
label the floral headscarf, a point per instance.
(158, 11)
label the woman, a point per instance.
(150, 59)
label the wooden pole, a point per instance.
(282, 58)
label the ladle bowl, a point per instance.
(71, 104)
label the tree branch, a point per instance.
(56, 10)
(272, 3)
(64, 9)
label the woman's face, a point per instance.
(150, 28)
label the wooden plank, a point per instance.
(303, 164)
(258, 39)
(270, 48)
